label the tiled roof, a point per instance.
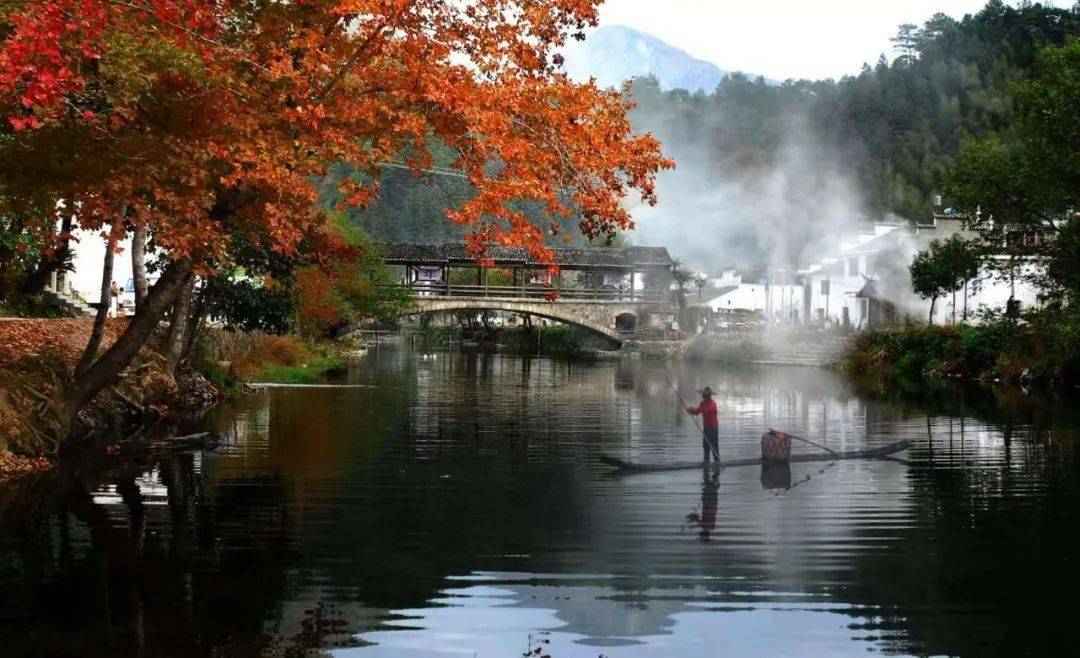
(453, 253)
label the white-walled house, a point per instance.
(730, 294)
(739, 297)
(832, 286)
(866, 283)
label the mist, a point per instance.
(747, 210)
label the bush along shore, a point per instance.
(37, 362)
(232, 359)
(1041, 348)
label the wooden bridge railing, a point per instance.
(534, 293)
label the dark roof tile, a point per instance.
(448, 253)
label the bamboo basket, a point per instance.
(775, 446)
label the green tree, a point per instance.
(899, 125)
(682, 278)
(337, 279)
(906, 41)
(944, 268)
(1030, 185)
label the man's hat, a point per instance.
(706, 391)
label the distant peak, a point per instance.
(616, 53)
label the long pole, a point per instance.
(684, 405)
(816, 445)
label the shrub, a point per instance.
(231, 356)
(1043, 347)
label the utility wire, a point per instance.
(429, 170)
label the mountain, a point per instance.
(615, 53)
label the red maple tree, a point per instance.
(202, 119)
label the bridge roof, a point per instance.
(456, 253)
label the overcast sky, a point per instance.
(783, 38)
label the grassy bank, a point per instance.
(439, 334)
(230, 359)
(1041, 348)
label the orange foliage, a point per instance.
(202, 119)
(318, 304)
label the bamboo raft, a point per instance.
(623, 466)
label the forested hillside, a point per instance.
(897, 126)
(410, 208)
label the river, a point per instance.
(450, 504)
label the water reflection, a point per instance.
(455, 505)
(704, 516)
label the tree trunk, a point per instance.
(138, 265)
(181, 315)
(933, 303)
(50, 263)
(108, 367)
(195, 324)
(104, 305)
(965, 316)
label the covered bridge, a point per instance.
(609, 290)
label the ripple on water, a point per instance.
(457, 506)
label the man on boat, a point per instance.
(711, 433)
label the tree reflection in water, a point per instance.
(140, 570)
(462, 492)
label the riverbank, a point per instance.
(559, 340)
(1041, 348)
(779, 346)
(37, 361)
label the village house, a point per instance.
(737, 299)
(867, 283)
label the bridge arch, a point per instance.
(626, 322)
(598, 318)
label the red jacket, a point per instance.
(707, 409)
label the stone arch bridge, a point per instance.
(609, 318)
(609, 291)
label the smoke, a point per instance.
(743, 207)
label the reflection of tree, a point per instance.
(459, 465)
(131, 585)
(408, 528)
(983, 566)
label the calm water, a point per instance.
(454, 505)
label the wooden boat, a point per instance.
(623, 466)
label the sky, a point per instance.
(783, 39)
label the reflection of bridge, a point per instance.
(607, 290)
